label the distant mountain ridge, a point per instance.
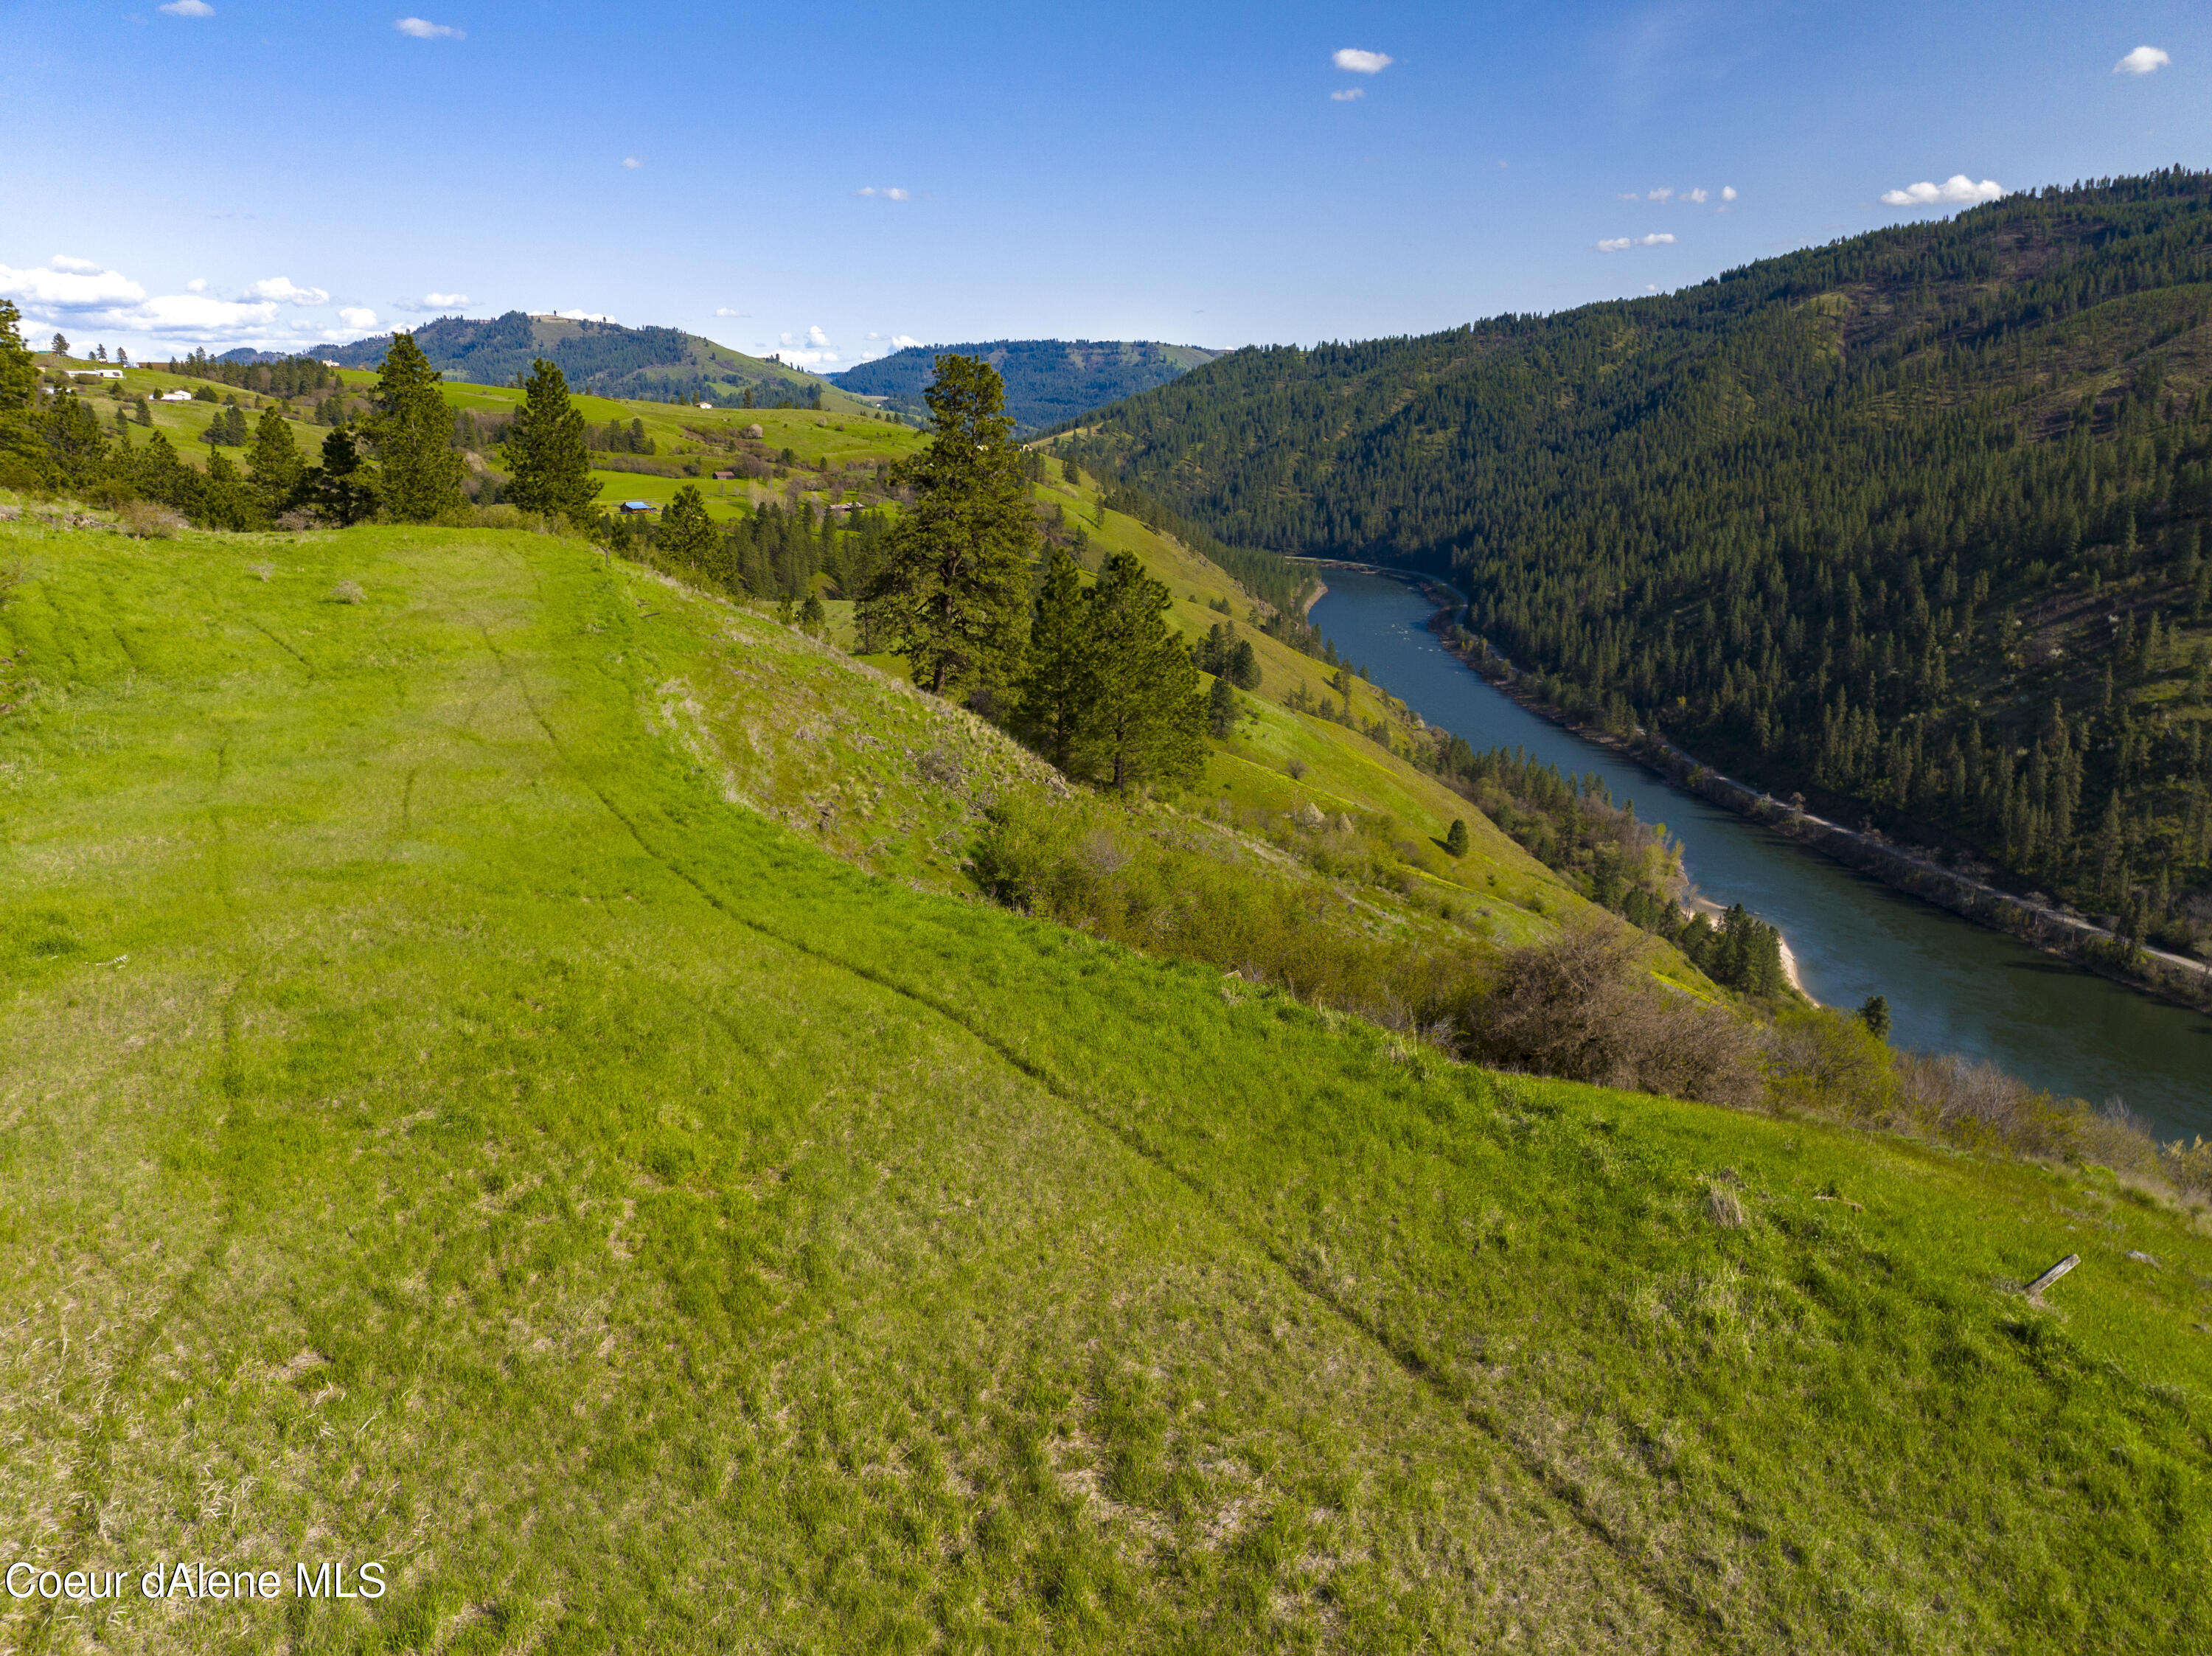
(605, 358)
(1048, 380)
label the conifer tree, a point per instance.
(688, 535)
(1455, 842)
(1221, 709)
(951, 595)
(274, 463)
(1145, 720)
(545, 450)
(338, 487)
(419, 473)
(19, 372)
(1056, 686)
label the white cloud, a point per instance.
(75, 266)
(807, 349)
(357, 316)
(1622, 244)
(1698, 195)
(905, 342)
(282, 290)
(74, 288)
(631, 163)
(421, 28)
(1957, 189)
(893, 194)
(1348, 95)
(1728, 192)
(1660, 195)
(188, 8)
(583, 316)
(1353, 61)
(725, 311)
(439, 301)
(197, 285)
(2141, 61)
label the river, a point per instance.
(1952, 986)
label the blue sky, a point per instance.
(826, 180)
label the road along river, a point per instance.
(1952, 986)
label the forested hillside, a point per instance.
(1912, 522)
(605, 358)
(1048, 380)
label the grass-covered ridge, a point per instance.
(440, 1126)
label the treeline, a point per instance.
(293, 376)
(1851, 522)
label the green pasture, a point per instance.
(460, 1110)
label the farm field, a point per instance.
(505, 1078)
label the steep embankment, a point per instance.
(442, 1126)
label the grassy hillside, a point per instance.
(1048, 380)
(447, 1121)
(1913, 524)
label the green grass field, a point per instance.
(460, 1110)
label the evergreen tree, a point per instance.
(1243, 665)
(19, 371)
(1221, 709)
(1056, 687)
(954, 586)
(275, 463)
(75, 444)
(339, 488)
(61, 346)
(1875, 1015)
(545, 451)
(1147, 721)
(688, 535)
(419, 473)
(1455, 842)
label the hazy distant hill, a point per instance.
(1048, 380)
(603, 357)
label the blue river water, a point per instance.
(1952, 985)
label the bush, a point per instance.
(1581, 1007)
(146, 520)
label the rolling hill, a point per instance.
(502, 1080)
(605, 358)
(1913, 524)
(1048, 380)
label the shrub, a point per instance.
(348, 591)
(1819, 1057)
(145, 520)
(1581, 1007)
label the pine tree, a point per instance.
(1243, 665)
(274, 464)
(952, 593)
(419, 473)
(338, 488)
(1875, 1015)
(688, 535)
(545, 451)
(1146, 721)
(1221, 709)
(1455, 842)
(1056, 685)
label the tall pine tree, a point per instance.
(1145, 720)
(545, 449)
(953, 590)
(1057, 683)
(419, 471)
(274, 463)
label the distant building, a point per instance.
(723, 477)
(706, 406)
(179, 396)
(631, 508)
(95, 374)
